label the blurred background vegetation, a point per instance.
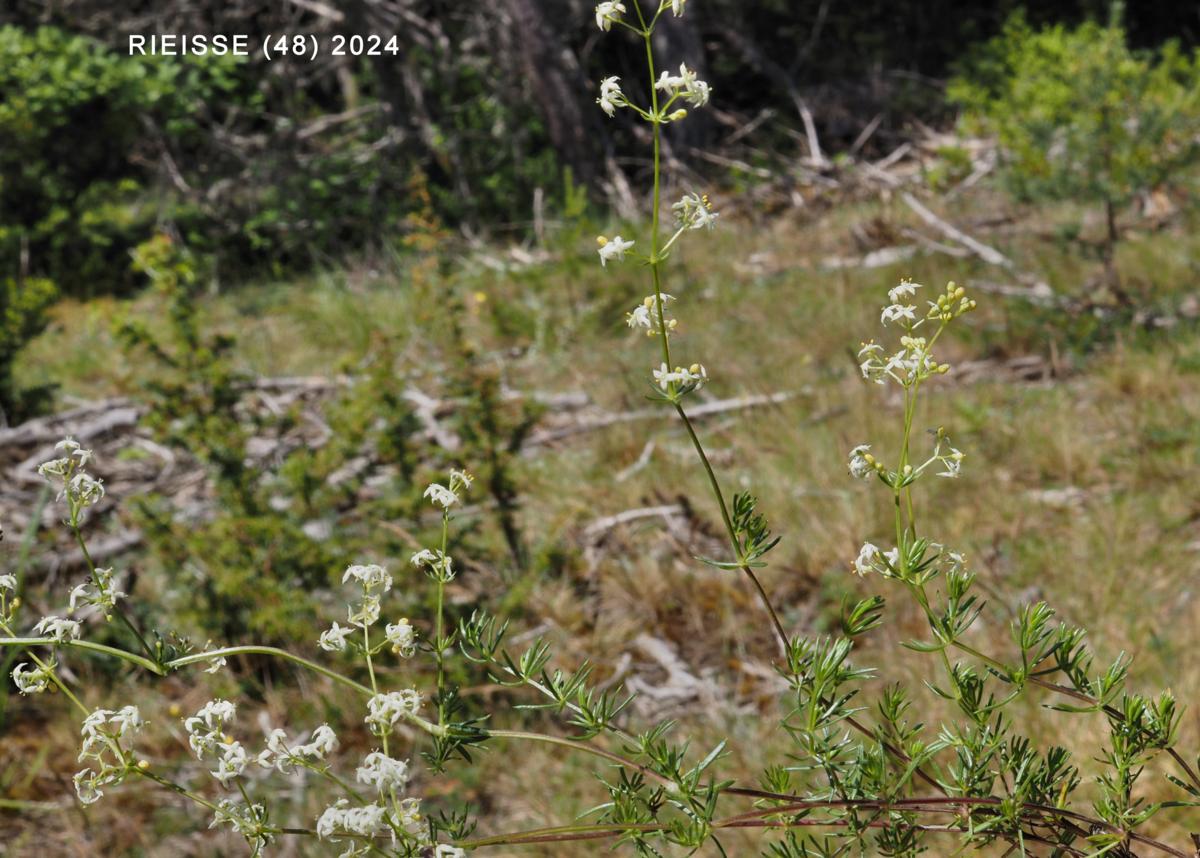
(315, 286)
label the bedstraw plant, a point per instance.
(862, 773)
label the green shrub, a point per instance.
(1081, 116)
(23, 306)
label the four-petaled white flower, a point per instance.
(868, 556)
(333, 639)
(57, 628)
(438, 494)
(610, 249)
(32, 680)
(906, 289)
(402, 636)
(860, 466)
(607, 13)
(952, 463)
(283, 758)
(895, 312)
(445, 850)
(371, 576)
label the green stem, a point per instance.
(87, 557)
(266, 650)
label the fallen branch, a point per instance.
(708, 409)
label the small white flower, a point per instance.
(216, 664)
(8, 582)
(906, 289)
(282, 758)
(371, 577)
(88, 783)
(441, 496)
(860, 468)
(334, 639)
(611, 96)
(893, 557)
(32, 680)
(99, 591)
(686, 380)
(460, 481)
(84, 489)
(866, 560)
(367, 613)
(57, 628)
(612, 249)
(895, 312)
(607, 13)
(403, 638)
(383, 773)
(646, 315)
(232, 762)
(206, 728)
(445, 850)
(384, 710)
(249, 821)
(952, 463)
(694, 211)
(677, 8)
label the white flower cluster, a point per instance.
(248, 820)
(872, 559)
(57, 629)
(99, 591)
(207, 737)
(384, 773)
(436, 564)
(648, 315)
(913, 362)
(609, 12)
(611, 96)
(284, 758)
(375, 582)
(384, 711)
(684, 85)
(683, 380)
(102, 732)
(448, 496)
(78, 487)
(370, 821)
(695, 211)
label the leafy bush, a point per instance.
(1081, 116)
(23, 305)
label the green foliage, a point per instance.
(1079, 115)
(23, 305)
(74, 118)
(196, 396)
